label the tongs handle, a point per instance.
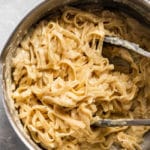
(122, 122)
(126, 44)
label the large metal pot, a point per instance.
(140, 9)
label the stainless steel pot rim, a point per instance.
(33, 13)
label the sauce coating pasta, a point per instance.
(62, 81)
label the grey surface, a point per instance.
(11, 13)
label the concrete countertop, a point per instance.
(11, 13)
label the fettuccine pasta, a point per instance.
(63, 81)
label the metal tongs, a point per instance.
(121, 122)
(124, 122)
(126, 44)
